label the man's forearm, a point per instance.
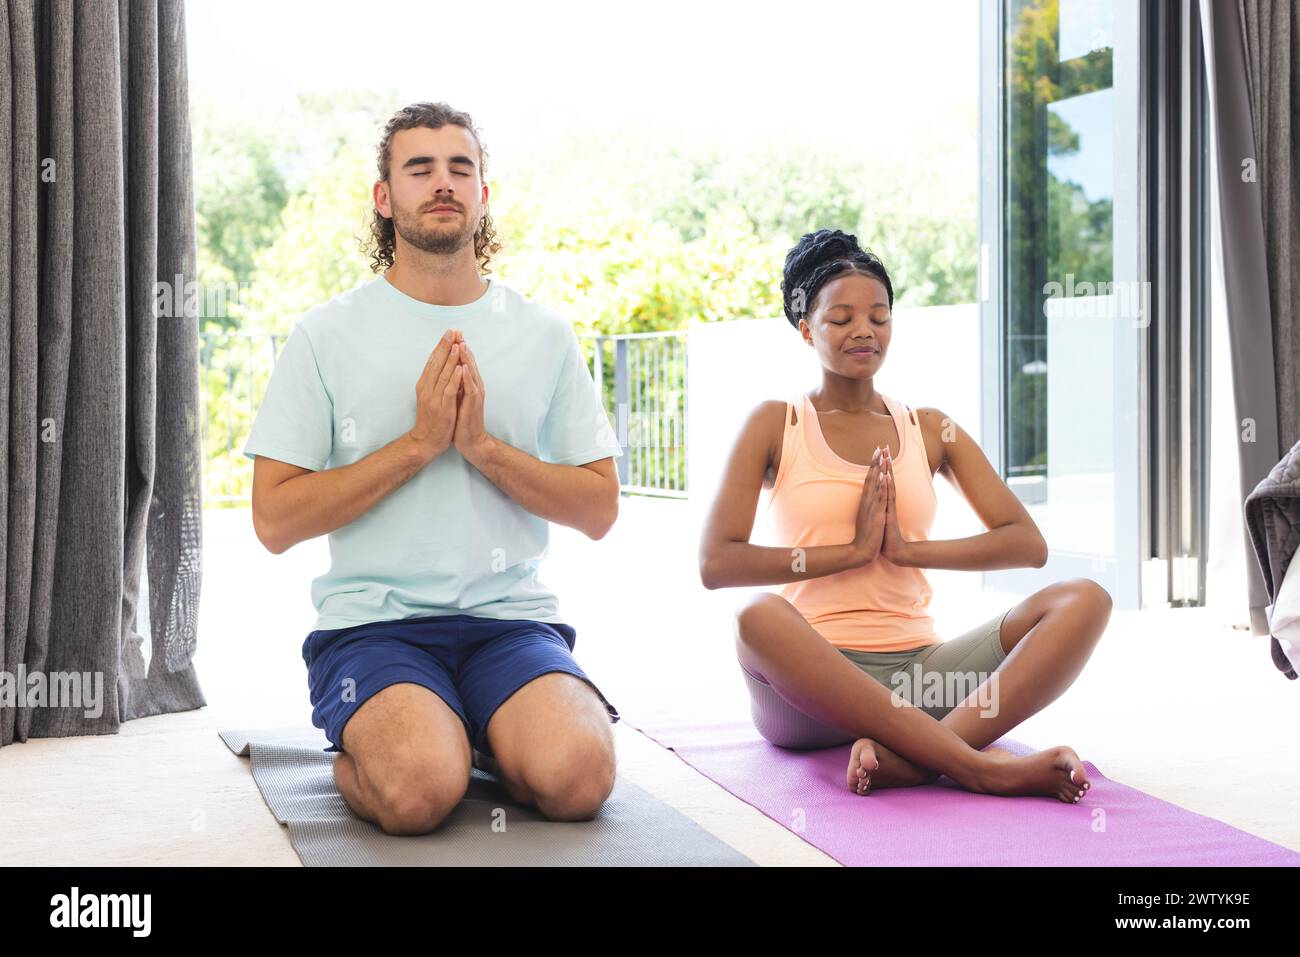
(317, 503)
(566, 494)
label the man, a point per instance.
(433, 421)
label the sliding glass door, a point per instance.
(1063, 310)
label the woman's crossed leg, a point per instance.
(900, 744)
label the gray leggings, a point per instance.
(957, 665)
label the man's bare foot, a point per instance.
(871, 763)
(1056, 772)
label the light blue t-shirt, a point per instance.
(447, 541)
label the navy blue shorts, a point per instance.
(473, 664)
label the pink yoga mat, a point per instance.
(943, 824)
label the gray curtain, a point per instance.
(1256, 78)
(100, 527)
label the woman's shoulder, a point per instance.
(936, 428)
(765, 427)
(770, 415)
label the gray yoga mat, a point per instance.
(632, 828)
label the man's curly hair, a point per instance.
(435, 116)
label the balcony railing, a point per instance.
(641, 378)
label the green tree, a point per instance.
(640, 236)
(240, 191)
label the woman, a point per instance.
(846, 651)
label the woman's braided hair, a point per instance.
(818, 258)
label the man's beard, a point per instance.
(442, 239)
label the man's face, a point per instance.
(434, 194)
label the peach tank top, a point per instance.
(814, 501)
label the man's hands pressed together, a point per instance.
(471, 438)
(437, 394)
(450, 397)
(449, 402)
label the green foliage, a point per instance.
(1053, 230)
(283, 205)
(318, 252)
(642, 234)
(233, 373)
(240, 193)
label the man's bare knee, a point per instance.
(418, 798)
(572, 785)
(412, 756)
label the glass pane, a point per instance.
(1080, 183)
(1060, 345)
(1086, 25)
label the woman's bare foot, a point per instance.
(1056, 772)
(862, 764)
(871, 763)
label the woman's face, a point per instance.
(850, 325)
